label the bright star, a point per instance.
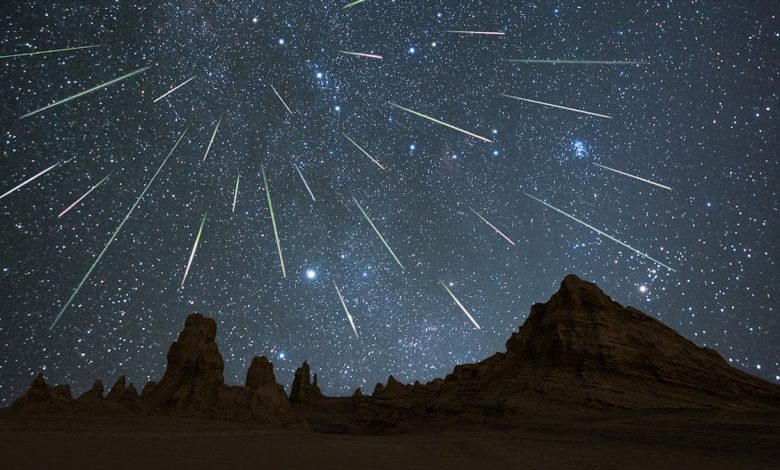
(311, 274)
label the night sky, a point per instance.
(697, 114)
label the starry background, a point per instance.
(700, 116)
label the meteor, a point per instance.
(85, 195)
(364, 152)
(441, 123)
(273, 222)
(235, 193)
(377, 232)
(211, 142)
(85, 92)
(344, 304)
(50, 51)
(350, 5)
(362, 54)
(281, 99)
(556, 106)
(175, 88)
(116, 232)
(305, 183)
(581, 62)
(460, 305)
(194, 250)
(486, 33)
(30, 180)
(493, 227)
(633, 176)
(603, 234)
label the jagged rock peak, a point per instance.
(303, 389)
(261, 372)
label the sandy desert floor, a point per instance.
(684, 439)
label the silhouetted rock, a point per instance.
(393, 389)
(358, 393)
(303, 390)
(93, 395)
(43, 399)
(261, 372)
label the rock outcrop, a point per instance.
(304, 390)
(43, 399)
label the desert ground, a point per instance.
(685, 439)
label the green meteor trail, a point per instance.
(460, 305)
(85, 92)
(377, 232)
(572, 62)
(29, 180)
(425, 116)
(85, 195)
(116, 232)
(50, 51)
(349, 5)
(556, 106)
(211, 142)
(235, 192)
(603, 234)
(364, 152)
(273, 222)
(194, 250)
(346, 310)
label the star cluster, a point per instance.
(698, 114)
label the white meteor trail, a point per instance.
(377, 232)
(273, 222)
(305, 183)
(576, 62)
(211, 142)
(364, 152)
(30, 180)
(175, 88)
(344, 304)
(85, 92)
(363, 54)
(50, 51)
(194, 250)
(281, 99)
(633, 176)
(600, 232)
(460, 305)
(75, 203)
(493, 227)
(116, 232)
(349, 5)
(485, 33)
(441, 123)
(235, 193)
(557, 106)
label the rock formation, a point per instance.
(303, 390)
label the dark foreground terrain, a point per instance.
(584, 383)
(684, 439)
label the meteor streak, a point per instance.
(194, 250)
(235, 193)
(30, 180)
(175, 88)
(377, 232)
(50, 51)
(364, 152)
(116, 232)
(344, 304)
(273, 222)
(633, 176)
(556, 106)
(441, 123)
(362, 54)
(305, 183)
(85, 92)
(460, 305)
(582, 62)
(603, 234)
(85, 195)
(350, 5)
(486, 33)
(211, 142)
(493, 227)
(281, 99)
